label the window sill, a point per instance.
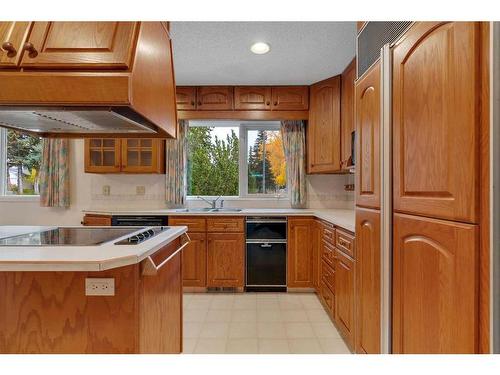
(20, 198)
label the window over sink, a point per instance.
(236, 158)
(20, 157)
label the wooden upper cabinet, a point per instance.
(323, 128)
(102, 155)
(226, 260)
(186, 97)
(435, 278)
(300, 252)
(367, 97)
(252, 98)
(347, 114)
(80, 45)
(12, 37)
(215, 98)
(344, 296)
(290, 98)
(143, 155)
(436, 112)
(127, 155)
(367, 281)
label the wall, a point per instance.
(324, 191)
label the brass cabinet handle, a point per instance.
(30, 48)
(10, 49)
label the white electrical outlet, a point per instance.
(99, 287)
(106, 190)
(140, 190)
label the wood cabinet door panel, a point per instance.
(368, 281)
(226, 259)
(252, 98)
(143, 155)
(435, 121)
(290, 98)
(12, 37)
(215, 98)
(80, 45)
(323, 128)
(435, 278)
(300, 251)
(194, 261)
(367, 94)
(185, 97)
(102, 155)
(347, 114)
(344, 296)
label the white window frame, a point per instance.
(3, 174)
(243, 127)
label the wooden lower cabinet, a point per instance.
(194, 261)
(300, 252)
(48, 312)
(316, 254)
(345, 296)
(367, 281)
(435, 286)
(226, 260)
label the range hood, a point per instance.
(131, 95)
(76, 120)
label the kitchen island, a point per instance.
(53, 298)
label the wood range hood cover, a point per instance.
(126, 89)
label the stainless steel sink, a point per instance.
(208, 209)
(203, 209)
(226, 210)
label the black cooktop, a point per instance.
(67, 236)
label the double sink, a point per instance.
(208, 209)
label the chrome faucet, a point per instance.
(211, 202)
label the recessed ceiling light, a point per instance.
(260, 48)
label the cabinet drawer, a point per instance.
(225, 224)
(97, 220)
(345, 242)
(328, 253)
(328, 298)
(194, 224)
(328, 233)
(327, 275)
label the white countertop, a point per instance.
(341, 217)
(78, 258)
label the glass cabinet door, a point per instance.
(143, 155)
(102, 155)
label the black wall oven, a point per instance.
(266, 242)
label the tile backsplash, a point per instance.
(125, 192)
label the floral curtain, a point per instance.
(54, 173)
(176, 160)
(294, 144)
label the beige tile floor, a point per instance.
(250, 323)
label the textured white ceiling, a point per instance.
(209, 53)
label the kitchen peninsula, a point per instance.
(91, 290)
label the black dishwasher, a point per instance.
(266, 254)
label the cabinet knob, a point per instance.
(192, 103)
(30, 48)
(199, 102)
(275, 103)
(10, 49)
(268, 103)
